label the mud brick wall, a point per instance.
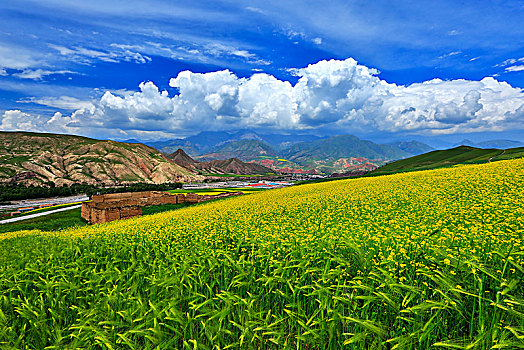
(86, 212)
(117, 206)
(116, 197)
(192, 198)
(96, 215)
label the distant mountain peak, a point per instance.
(180, 155)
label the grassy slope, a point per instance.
(450, 157)
(419, 260)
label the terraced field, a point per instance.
(418, 260)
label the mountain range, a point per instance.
(35, 158)
(305, 153)
(293, 153)
(334, 153)
(41, 159)
(207, 141)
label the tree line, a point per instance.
(9, 192)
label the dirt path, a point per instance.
(503, 151)
(31, 216)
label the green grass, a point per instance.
(448, 158)
(130, 178)
(15, 159)
(52, 222)
(153, 209)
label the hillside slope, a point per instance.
(450, 157)
(181, 158)
(500, 144)
(34, 158)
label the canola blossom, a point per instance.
(430, 259)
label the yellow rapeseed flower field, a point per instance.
(410, 261)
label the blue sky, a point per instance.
(77, 67)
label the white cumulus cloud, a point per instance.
(16, 120)
(339, 95)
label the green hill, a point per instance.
(449, 157)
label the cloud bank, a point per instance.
(336, 95)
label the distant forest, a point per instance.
(9, 192)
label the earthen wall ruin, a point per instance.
(116, 206)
